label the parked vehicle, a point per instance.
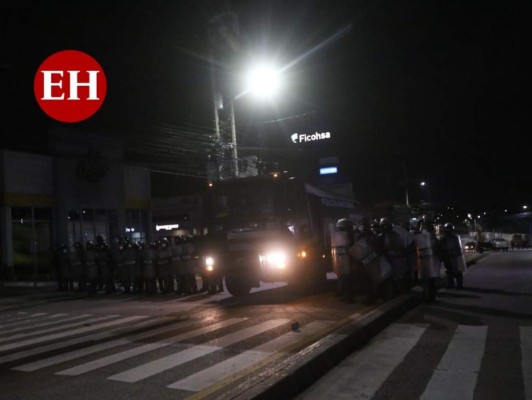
(470, 247)
(500, 244)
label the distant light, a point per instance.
(423, 183)
(484, 212)
(166, 227)
(328, 170)
(505, 210)
(210, 184)
(469, 215)
(275, 174)
(525, 207)
(478, 216)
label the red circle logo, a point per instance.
(70, 86)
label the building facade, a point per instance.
(80, 190)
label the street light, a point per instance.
(262, 80)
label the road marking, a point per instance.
(50, 320)
(73, 332)
(203, 379)
(12, 319)
(364, 372)
(114, 358)
(526, 359)
(459, 366)
(57, 328)
(173, 360)
(40, 325)
(78, 340)
(60, 358)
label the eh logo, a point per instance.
(70, 86)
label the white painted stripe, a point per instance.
(364, 372)
(173, 360)
(73, 332)
(75, 341)
(60, 358)
(24, 317)
(114, 358)
(526, 359)
(203, 379)
(51, 319)
(27, 326)
(459, 366)
(58, 328)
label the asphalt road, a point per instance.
(471, 344)
(57, 345)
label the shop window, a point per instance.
(32, 243)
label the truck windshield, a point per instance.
(251, 203)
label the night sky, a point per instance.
(442, 88)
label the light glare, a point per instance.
(263, 81)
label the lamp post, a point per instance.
(262, 81)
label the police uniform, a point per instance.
(452, 257)
(428, 259)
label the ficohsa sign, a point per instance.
(303, 137)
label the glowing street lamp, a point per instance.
(262, 81)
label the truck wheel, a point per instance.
(237, 286)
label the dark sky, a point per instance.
(440, 87)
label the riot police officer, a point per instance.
(341, 262)
(137, 267)
(105, 265)
(77, 265)
(395, 251)
(428, 252)
(91, 266)
(164, 269)
(191, 259)
(452, 257)
(149, 260)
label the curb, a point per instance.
(289, 377)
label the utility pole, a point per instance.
(233, 138)
(405, 176)
(224, 41)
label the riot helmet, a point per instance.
(385, 224)
(344, 225)
(448, 227)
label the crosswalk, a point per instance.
(363, 374)
(131, 349)
(137, 348)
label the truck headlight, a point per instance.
(276, 259)
(209, 263)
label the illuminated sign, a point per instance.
(303, 137)
(166, 227)
(328, 170)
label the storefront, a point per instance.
(81, 191)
